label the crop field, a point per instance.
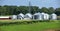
(21, 25)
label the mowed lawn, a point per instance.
(40, 26)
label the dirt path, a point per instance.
(51, 30)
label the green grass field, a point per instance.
(40, 26)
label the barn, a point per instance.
(5, 17)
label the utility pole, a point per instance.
(29, 7)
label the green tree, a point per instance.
(34, 9)
(57, 11)
(51, 10)
(44, 9)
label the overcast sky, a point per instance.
(40, 3)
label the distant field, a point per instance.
(40, 26)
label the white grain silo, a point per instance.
(53, 16)
(14, 17)
(28, 16)
(20, 16)
(37, 16)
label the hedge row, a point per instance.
(24, 22)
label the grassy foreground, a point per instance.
(40, 26)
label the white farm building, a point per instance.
(37, 16)
(20, 16)
(53, 16)
(29, 16)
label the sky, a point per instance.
(39, 3)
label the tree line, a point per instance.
(15, 10)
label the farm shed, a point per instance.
(53, 16)
(20, 16)
(46, 16)
(37, 16)
(14, 17)
(28, 16)
(43, 16)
